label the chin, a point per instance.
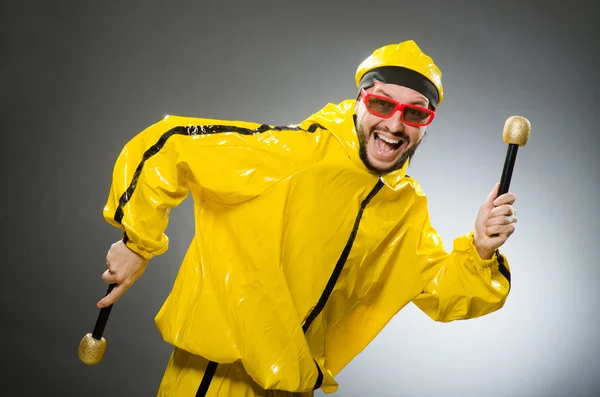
(384, 167)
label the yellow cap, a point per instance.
(405, 55)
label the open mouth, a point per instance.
(386, 147)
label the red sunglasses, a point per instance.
(385, 107)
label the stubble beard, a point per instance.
(363, 138)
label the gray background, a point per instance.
(79, 79)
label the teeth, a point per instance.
(388, 140)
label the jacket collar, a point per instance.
(339, 120)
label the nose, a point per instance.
(394, 122)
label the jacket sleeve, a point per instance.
(459, 285)
(225, 161)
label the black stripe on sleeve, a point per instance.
(194, 131)
(503, 269)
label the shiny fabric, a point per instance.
(275, 209)
(185, 371)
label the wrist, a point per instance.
(143, 254)
(484, 254)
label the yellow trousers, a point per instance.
(185, 375)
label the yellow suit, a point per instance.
(300, 256)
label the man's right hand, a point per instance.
(124, 268)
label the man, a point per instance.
(309, 238)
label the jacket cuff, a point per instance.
(132, 246)
(483, 263)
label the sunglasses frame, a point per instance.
(398, 106)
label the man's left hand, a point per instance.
(495, 223)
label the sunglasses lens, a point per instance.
(416, 115)
(385, 108)
(380, 106)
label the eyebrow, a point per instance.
(419, 102)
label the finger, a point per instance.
(111, 298)
(506, 198)
(111, 269)
(504, 210)
(500, 220)
(489, 201)
(500, 230)
(109, 277)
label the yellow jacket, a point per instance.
(300, 256)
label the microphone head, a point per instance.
(516, 130)
(91, 351)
